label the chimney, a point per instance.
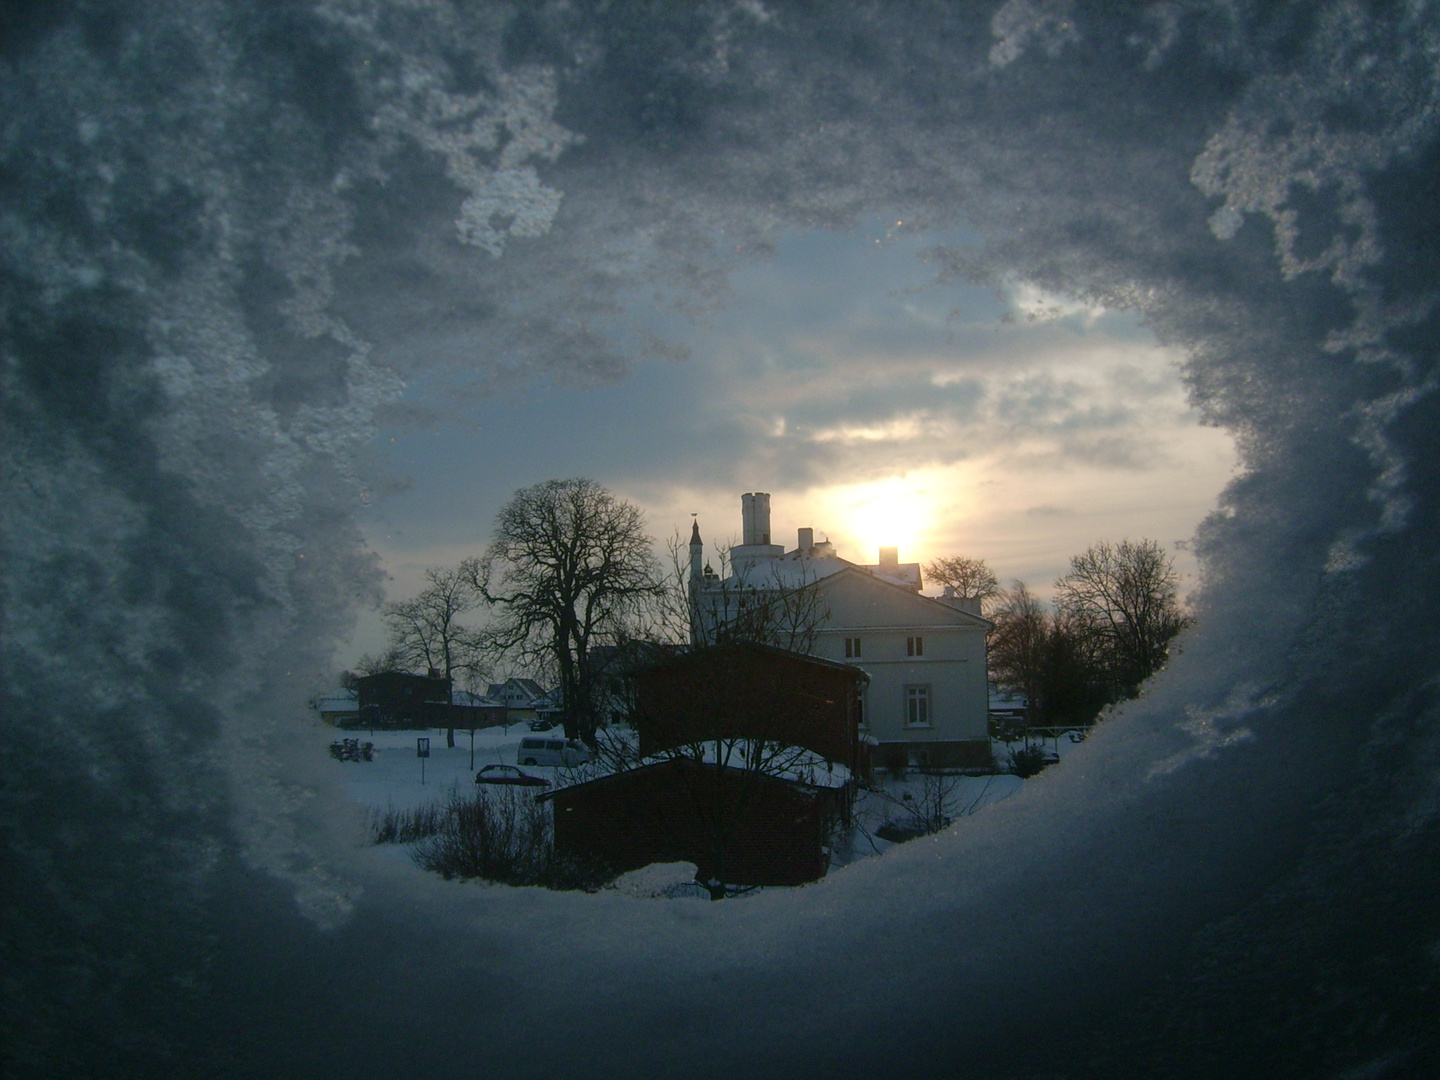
(890, 560)
(807, 540)
(762, 517)
(747, 519)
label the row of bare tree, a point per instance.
(1110, 627)
(568, 566)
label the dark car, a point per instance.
(509, 774)
(543, 724)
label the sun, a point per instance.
(894, 512)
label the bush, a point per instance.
(406, 826)
(502, 835)
(352, 750)
(1027, 761)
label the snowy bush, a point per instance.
(1026, 761)
(352, 750)
(501, 835)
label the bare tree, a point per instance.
(770, 610)
(1055, 659)
(426, 632)
(375, 664)
(569, 566)
(1017, 649)
(1125, 594)
(936, 806)
(968, 577)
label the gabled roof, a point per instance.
(477, 701)
(802, 768)
(954, 615)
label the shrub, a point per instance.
(502, 835)
(406, 826)
(1027, 761)
(352, 750)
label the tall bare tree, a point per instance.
(569, 566)
(1016, 650)
(968, 577)
(426, 631)
(1126, 594)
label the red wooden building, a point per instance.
(737, 825)
(753, 691)
(749, 758)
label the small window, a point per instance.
(860, 708)
(914, 646)
(555, 744)
(852, 648)
(917, 706)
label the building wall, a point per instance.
(650, 815)
(950, 669)
(747, 691)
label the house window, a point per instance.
(914, 646)
(860, 707)
(852, 648)
(917, 706)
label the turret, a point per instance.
(697, 553)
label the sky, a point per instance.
(875, 403)
(245, 245)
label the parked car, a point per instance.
(552, 752)
(509, 774)
(543, 723)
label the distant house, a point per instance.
(926, 704)
(471, 712)
(757, 829)
(340, 708)
(524, 700)
(398, 699)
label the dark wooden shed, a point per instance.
(738, 826)
(752, 691)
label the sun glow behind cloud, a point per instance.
(897, 511)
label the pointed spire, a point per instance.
(695, 531)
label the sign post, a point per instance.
(422, 751)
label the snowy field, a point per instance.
(398, 778)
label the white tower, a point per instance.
(755, 533)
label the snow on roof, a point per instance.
(792, 764)
(337, 701)
(465, 697)
(797, 568)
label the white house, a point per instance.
(927, 703)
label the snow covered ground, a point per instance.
(398, 778)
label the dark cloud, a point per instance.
(229, 232)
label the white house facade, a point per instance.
(927, 702)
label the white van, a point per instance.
(552, 752)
